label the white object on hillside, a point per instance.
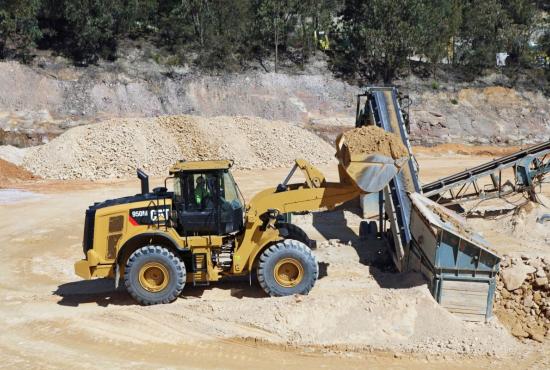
(501, 59)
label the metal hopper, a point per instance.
(459, 264)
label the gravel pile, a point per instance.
(110, 149)
(115, 148)
(523, 297)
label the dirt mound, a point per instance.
(115, 148)
(11, 174)
(350, 307)
(373, 139)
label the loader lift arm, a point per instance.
(315, 193)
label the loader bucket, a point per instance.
(371, 172)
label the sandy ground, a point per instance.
(51, 319)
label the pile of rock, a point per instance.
(115, 148)
(523, 297)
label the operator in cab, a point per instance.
(201, 192)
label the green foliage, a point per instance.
(217, 31)
(139, 18)
(481, 33)
(438, 24)
(377, 37)
(371, 40)
(545, 43)
(18, 25)
(83, 29)
(492, 26)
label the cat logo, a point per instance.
(149, 215)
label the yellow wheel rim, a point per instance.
(288, 272)
(153, 277)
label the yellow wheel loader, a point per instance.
(202, 230)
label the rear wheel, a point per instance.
(154, 275)
(286, 268)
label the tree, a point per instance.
(376, 38)
(521, 15)
(274, 21)
(83, 29)
(18, 25)
(438, 26)
(138, 18)
(313, 16)
(481, 33)
(218, 31)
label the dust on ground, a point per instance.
(373, 139)
(511, 223)
(356, 308)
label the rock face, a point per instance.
(44, 101)
(523, 300)
(483, 115)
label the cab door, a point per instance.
(198, 203)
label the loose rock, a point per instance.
(515, 276)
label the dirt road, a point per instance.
(52, 319)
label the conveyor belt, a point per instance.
(382, 109)
(493, 169)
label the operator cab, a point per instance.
(206, 198)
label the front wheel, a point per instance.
(286, 268)
(154, 275)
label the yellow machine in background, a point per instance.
(202, 231)
(321, 39)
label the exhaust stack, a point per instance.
(144, 178)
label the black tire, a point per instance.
(364, 230)
(368, 229)
(373, 229)
(298, 253)
(296, 233)
(154, 256)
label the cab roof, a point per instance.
(195, 166)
